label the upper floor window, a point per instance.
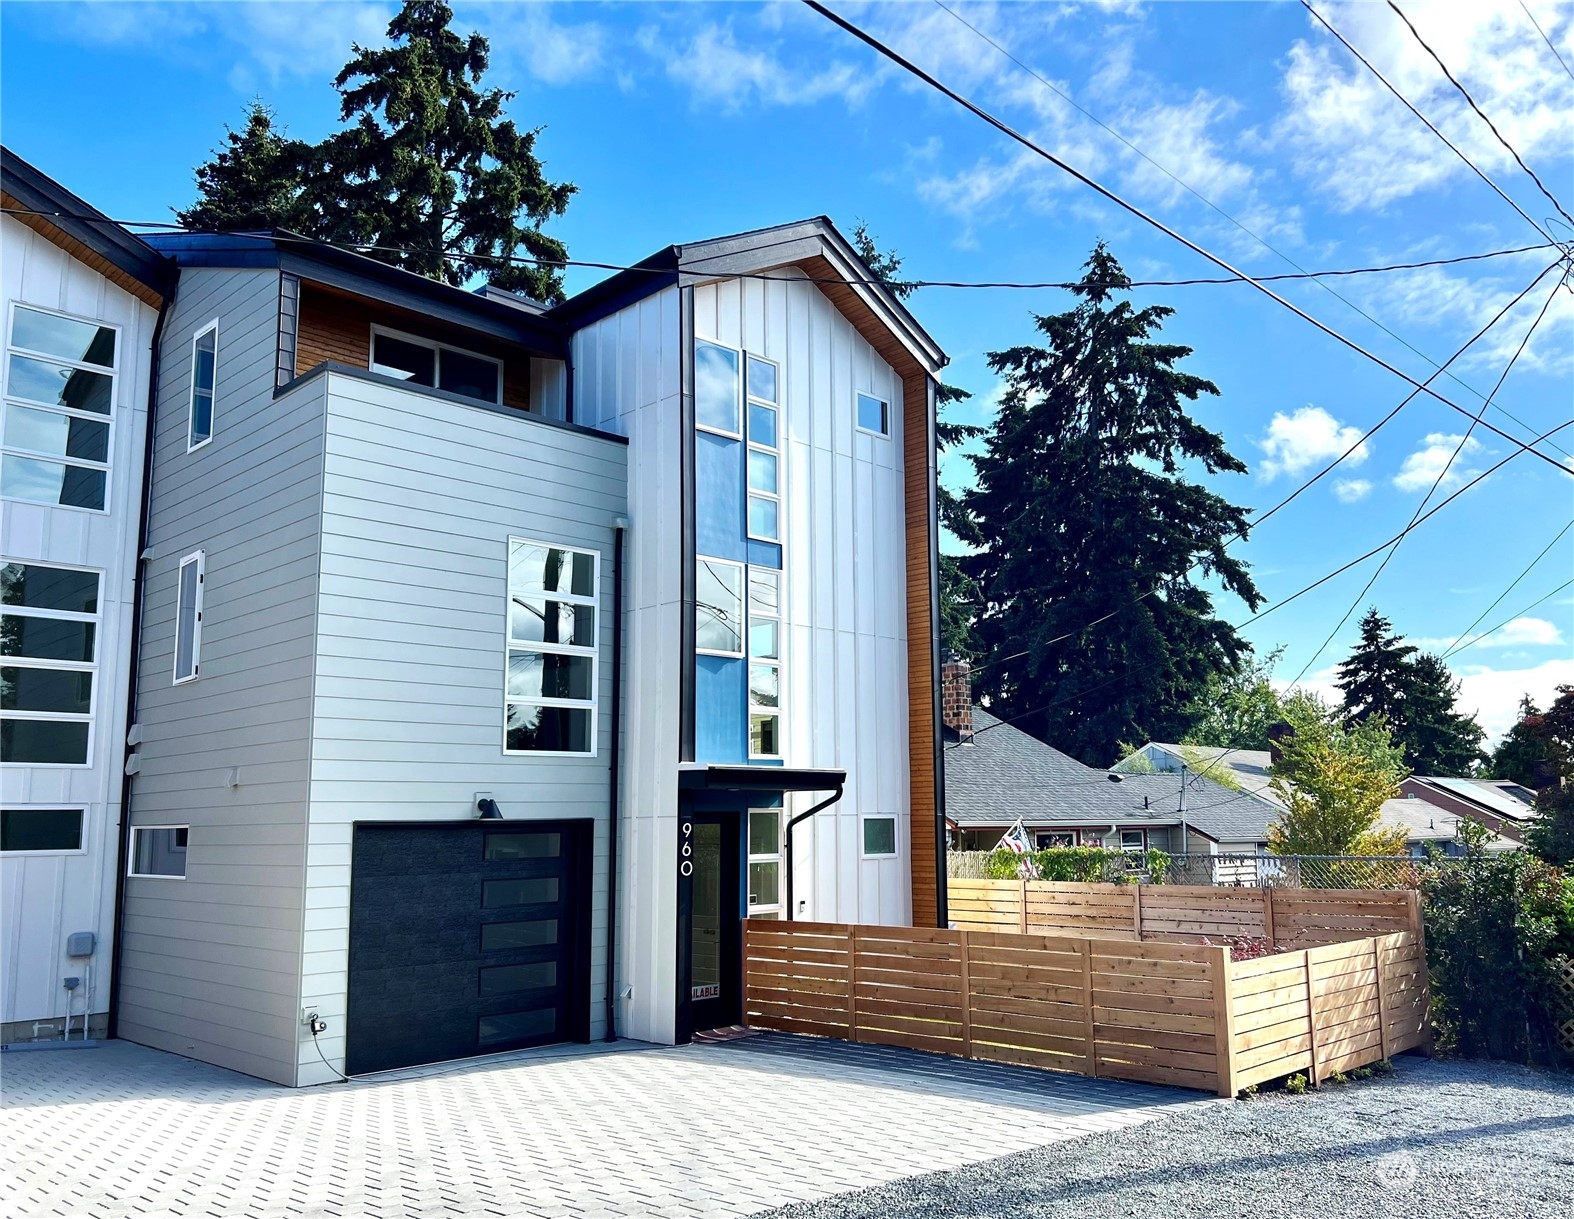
(718, 607)
(59, 397)
(874, 414)
(425, 362)
(765, 505)
(49, 641)
(188, 617)
(765, 668)
(716, 398)
(204, 371)
(550, 692)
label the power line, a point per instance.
(1262, 241)
(1458, 645)
(1438, 481)
(1465, 93)
(1431, 126)
(1131, 208)
(1506, 621)
(553, 263)
(1546, 40)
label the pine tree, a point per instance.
(1375, 678)
(1089, 530)
(1237, 707)
(1522, 749)
(254, 183)
(426, 172)
(1437, 738)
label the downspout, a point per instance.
(614, 798)
(792, 910)
(134, 657)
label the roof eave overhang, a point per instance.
(759, 778)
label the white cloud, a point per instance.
(554, 52)
(1352, 490)
(720, 71)
(1520, 633)
(1309, 435)
(1440, 459)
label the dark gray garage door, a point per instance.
(467, 939)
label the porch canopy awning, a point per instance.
(759, 778)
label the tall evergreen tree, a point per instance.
(1375, 678)
(1089, 530)
(1551, 835)
(1438, 739)
(427, 171)
(1523, 749)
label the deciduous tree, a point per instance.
(1333, 781)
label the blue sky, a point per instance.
(687, 121)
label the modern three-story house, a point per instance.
(498, 660)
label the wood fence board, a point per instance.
(1070, 1025)
(1105, 1018)
(1054, 1043)
(989, 989)
(917, 980)
(1142, 1001)
(1077, 1064)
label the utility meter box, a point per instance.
(81, 944)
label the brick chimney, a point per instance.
(956, 698)
(1276, 733)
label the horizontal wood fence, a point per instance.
(1179, 1014)
(1286, 918)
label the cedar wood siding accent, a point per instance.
(926, 791)
(337, 326)
(82, 253)
(211, 964)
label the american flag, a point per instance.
(1016, 839)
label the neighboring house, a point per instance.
(1504, 807)
(1246, 769)
(490, 652)
(996, 775)
(82, 303)
(1430, 827)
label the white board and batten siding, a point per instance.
(211, 964)
(46, 897)
(420, 497)
(628, 380)
(844, 677)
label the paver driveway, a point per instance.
(628, 1129)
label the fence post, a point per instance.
(967, 999)
(1267, 918)
(1223, 1022)
(852, 982)
(1022, 908)
(1382, 1007)
(1311, 1013)
(1136, 911)
(1087, 1004)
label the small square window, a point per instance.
(1134, 840)
(765, 831)
(873, 414)
(762, 379)
(879, 836)
(159, 850)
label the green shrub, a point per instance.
(1083, 865)
(1295, 1085)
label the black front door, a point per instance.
(714, 935)
(466, 939)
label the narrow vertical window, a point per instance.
(204, 370)
(765, 670)
(765, 863)
(764, 459)
(718, 607)
(716, 395)
(188, 618)
(550, 688)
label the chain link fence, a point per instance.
(1241, 871)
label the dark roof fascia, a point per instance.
(442, 395)
(38, 192)
(363, 276)
(760, 778)
(618, 291)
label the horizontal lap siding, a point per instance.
(211, 963)
(421, 497)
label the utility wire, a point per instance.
(1131, 208)
(553, 263)
(1458, 644)
(1431, 126)
(1465, 93)
(1438, 481)
(1506, 621)
(1546, 40)
(1262, 241)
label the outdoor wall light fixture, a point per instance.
(488, 809)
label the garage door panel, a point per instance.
(489, 954)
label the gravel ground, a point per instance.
(1455, 1139)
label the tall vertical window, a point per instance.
(765, 863)
(718, 607)
(204, 371)
(188, 617)
(716, 398)
(765, 667)
(59, 397)
(549, 695)
(764, 457)
(48, 660)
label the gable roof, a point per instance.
(1495, 796)
(36, 200)
(1006, 774)
(815, 246)
(1247, 767)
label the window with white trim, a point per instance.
(1057, 840)
(764, 456)
(1135, 841)
(874, 415)
(879, 836)
(41, 831)
(204, 376)
(550, 689)
(188, 616)
(765, 863)
(60, 376)
(765, 663)
(49, 632)
(436, 365)
(159, 851)
(716, 397)
(718, 607)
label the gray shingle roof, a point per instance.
(1006, 774)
